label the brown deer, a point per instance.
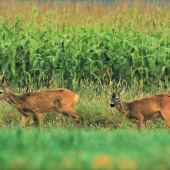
(143, 109)
(36, 102)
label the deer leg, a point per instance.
(76, 123)
(75, 120)
(36, 119)
(167, 119)
(23, 120)
(141, 121)
(75, 117)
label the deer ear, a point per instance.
(7, 83)
(121, 91)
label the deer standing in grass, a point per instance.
(143, 109)
(36, 102)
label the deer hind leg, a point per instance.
(166, 116)
(36, 119)
(75, 116)
(23, 120)
(75, 119)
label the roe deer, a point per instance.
(143, 109)
(36, 102)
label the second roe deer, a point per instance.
(36, 102)
(143, 109)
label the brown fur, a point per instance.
(145, 109)
(36, 102)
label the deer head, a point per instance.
(115, 95)
(115, 98)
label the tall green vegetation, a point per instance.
(43, 42)
(70, 45)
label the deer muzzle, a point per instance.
(112, 105)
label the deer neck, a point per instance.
(123, 108)
(12, 98)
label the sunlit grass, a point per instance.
(93, 104)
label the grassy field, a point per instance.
(106, 139)
(58, 148)
(93, 104)
(71, 46)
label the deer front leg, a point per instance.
(24, 119)
(166, 116)
(141, 121)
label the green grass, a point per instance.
(106, 139)
(70, 47)
(86, 149)
(93, 104)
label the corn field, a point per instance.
(43, 42)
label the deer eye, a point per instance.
(116, 98)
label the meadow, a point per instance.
(82, 46)
(85, 149)
(106, 139)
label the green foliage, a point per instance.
(34, 51)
